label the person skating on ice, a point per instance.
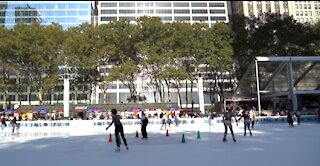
(144, 123)
(118, 129)
(246, 122)
(227, 123)
(289, 119)
(163, 122)
(253, 116)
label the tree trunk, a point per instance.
(163, 93)
(192, 102)
(40, 97)
(187, 94)
(168, 90)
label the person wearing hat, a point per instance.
(118, 129)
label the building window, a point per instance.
(180, 4)
(315, 6)
(297, 13)
(108, 18)
(150, 11)
(309, 6)
(305, 13)
(199, 4)
(310, 13)
(127, 18)
(108, 4)
(297, 6)
(305, 6)
(182, 18)
(129, 4)
(216, 4)
(301, 13)
(200, 18)
(108, 11)
(218, 18)
(112, 86)
(195, 11)
(217, 11)
(127, 11)
(166, 18)
(164, 11)
(181, 11)
(300, 6)
(163, 4)
(145, 4)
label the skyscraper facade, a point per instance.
(66, 13)
(208, 12)
(302, 11)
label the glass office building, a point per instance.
(66, 13)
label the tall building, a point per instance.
(66, 13)
(306, 11)
(302, 11)
(209, 12)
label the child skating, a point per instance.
(118, 129)
(246, 122)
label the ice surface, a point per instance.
(270, 145)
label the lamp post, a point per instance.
(67, 73)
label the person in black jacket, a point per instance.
(144, 123)
(14, 124)
(290, 119)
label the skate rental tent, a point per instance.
(282, 83)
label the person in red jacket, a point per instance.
(247, 122)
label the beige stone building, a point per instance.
(302, 11)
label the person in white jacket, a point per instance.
(253, 117)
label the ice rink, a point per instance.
(271, 145)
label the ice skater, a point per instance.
(118, 129)
(163, 121)
(253, 116)
(3, 122)
(298, 115)
(246, 122)
(289, 119)
(227, 123)
(144, 123)
(14, 124)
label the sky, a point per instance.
(271, 144)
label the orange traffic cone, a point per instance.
(110, 138)
(137, 135)
(167, 134)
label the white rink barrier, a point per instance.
(78, 124)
